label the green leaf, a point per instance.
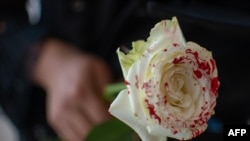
(112, 130)
(51, 139)
(127, 59)
(112, 90)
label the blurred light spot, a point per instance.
(34, 8)
(215, 126)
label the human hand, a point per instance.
(74, 83)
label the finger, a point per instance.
(73, 126)
(64, 130)
(102, 76)
(94, 107)
(80, 123)
(64, 119)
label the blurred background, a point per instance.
(222, 26)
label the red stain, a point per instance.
(203, 65)
(207, 114)
(166, 84)
(178, 60)
(198, 73)
(195, 121)
(203, 88)
(146, 86)
(196, 132)
(213, 64)
(152, 111)
(192, 52)
(165, 100)
(175, 44)
(215, 85)
(136, 82)
(126, 82)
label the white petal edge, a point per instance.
(167, 30)
(121, 109)
(157, 130)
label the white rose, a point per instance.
(171, 86)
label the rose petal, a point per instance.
(164, 34)
(121, 109)
(126, 60)
(158, 130)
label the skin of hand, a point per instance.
(74, 84)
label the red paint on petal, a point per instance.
(192, 52)
(207, 114)
(213, 64)
(175, 44)
(215, 85)
(203, 65)
(166, 84)
(203, 88)
(198, 73)
(126, 82)
(147, 86)
(196, 133)
(152, 111)
(177, 60)
(165, 100)
(136, 82)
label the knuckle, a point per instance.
(74, 93)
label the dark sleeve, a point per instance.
(11, 6)
(17, 38)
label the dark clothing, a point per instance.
(90, 25)
(99, 27)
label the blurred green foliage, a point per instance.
(112, 90)
(112, 130)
